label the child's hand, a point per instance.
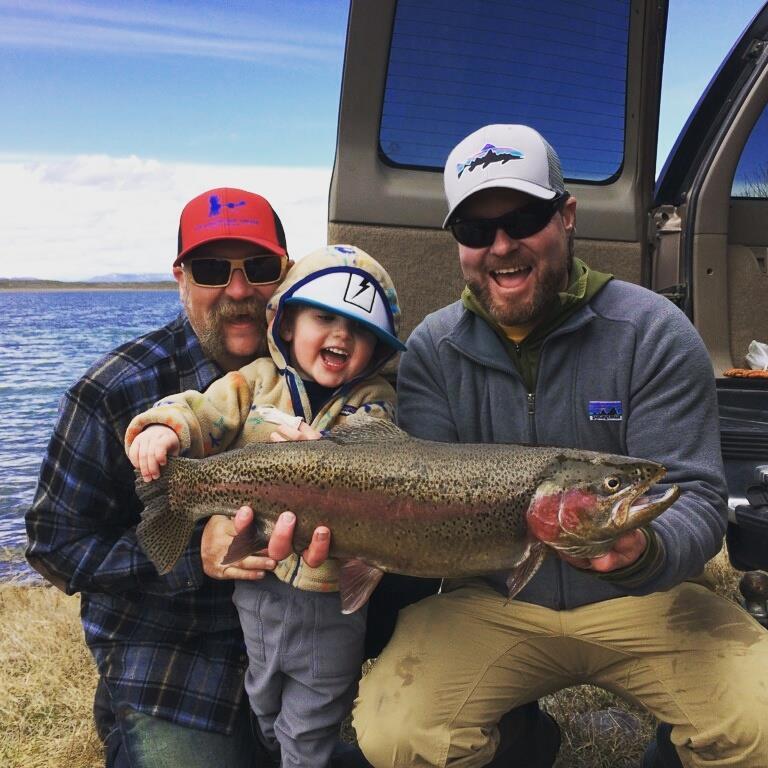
(284, 433)
(149, 451)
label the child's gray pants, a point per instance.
(304, 659)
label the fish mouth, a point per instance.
(643, 508)
(637, 508)
(632, 507)
(632, 511)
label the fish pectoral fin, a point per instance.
(249, 541)
(523, 572)
(356, 583)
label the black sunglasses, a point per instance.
(263, 269)
(524, 222)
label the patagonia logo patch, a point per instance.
(605, 410)
(488, 155)
(348, 410)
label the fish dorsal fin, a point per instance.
(356, 583)
(362, 428)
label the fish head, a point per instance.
(582, 504)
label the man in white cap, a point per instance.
(542, 349)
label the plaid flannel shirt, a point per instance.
(168, 646)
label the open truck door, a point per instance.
(709, 246)
(420, 75)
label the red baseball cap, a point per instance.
(229, 214)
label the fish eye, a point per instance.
(611, 484)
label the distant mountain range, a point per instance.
(119, 277)
(144, 281)
(114, 277)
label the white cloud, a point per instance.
(69, 218)
(226, 32)
(276, 21)
(101, 171)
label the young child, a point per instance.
(332, 325)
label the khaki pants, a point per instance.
(459, 660)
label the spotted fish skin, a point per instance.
(394, 502)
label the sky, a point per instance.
(116, 112)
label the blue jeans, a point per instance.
(135, 740)
(150, 742)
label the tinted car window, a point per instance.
(751, 177)
(559, 66)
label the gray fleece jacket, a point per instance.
(627, 346)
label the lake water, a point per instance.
(47, 341)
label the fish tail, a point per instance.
(163, 533)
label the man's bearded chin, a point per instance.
(551, 282)
(211, 334)
(518, 314)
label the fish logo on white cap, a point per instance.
(489, 154)
(507, 156)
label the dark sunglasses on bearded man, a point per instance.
(261, 269)
(518, 224)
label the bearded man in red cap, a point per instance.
(169, 649)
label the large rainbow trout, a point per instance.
(395, 503)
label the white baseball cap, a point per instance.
(351, 292)
(508, 156)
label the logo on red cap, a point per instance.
(216, 205)
(229, 214)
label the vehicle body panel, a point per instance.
(687, 236)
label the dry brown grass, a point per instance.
(47, 679)
(598, 729)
